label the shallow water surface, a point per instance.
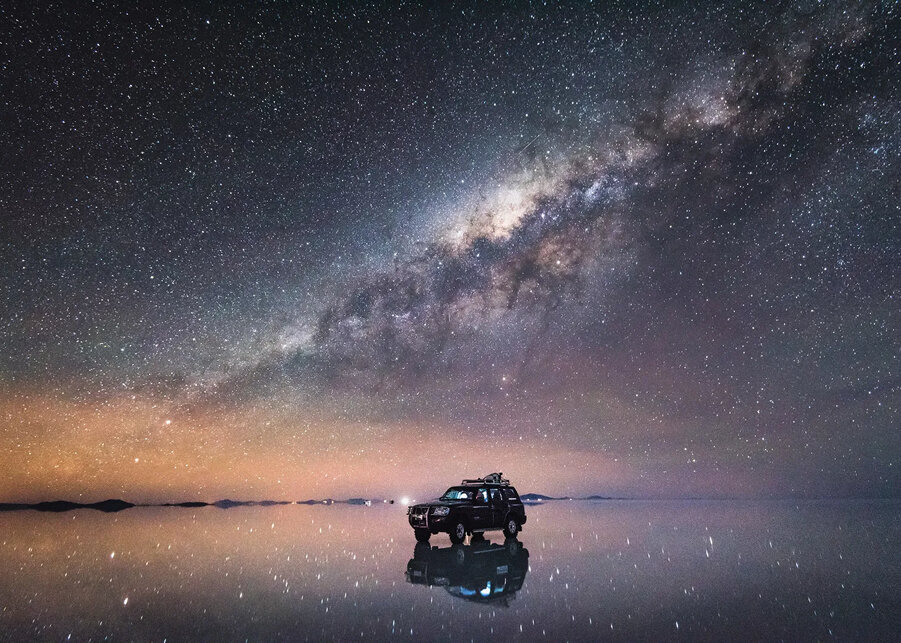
(579, 571)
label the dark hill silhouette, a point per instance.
(56, 506)
(113, 505)
(228, 504)
(537, 497)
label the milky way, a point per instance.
(653, 251)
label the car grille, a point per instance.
(419, 516)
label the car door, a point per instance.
(514, 504)
(481, 512)
(498, 508)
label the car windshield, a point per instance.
(458, 493)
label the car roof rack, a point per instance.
(491, 478)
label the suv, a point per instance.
(474, 507)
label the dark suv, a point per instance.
(474, 507)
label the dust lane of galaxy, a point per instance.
(289, 252)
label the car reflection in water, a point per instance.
(482, 572)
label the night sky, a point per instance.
(291, 252)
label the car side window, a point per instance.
(511, 493)
(482, 496)
(496, 496)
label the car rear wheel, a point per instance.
(511, 527)
(457, 532)
(422, 535)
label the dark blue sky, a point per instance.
(647, 249)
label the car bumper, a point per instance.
(428, 521)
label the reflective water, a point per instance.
(580, 571)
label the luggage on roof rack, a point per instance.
(491, 478)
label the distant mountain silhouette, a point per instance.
(537, 497)
(114, 505)
(332, 501)
(110, 506)
(228, 504)
(56, 506)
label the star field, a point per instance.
(295, 250)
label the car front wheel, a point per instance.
(511, 527)
(457, 532)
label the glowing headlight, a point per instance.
(441, 511)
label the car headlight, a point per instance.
(441, 511)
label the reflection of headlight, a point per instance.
(441, 511)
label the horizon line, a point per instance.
(328, 499)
